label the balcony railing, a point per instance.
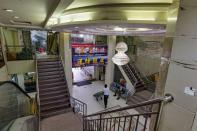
(118, 120)
(19, 53)
(2, 63)
(78, 106)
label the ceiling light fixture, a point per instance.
(142, 19)
(121, 58)
(119, 29)
(16, 17)
(172, 19)
(8, 10)
(143, 29)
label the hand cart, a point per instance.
(99, 95)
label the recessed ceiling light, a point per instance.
(8, 10)
(16, 17)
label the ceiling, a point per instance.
(39, 12)
(189, 3)
(33, 11)
(83, 3)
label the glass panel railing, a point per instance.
(19, 53)
(14, 103)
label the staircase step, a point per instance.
(54, 106)
(50, 73)
(53, 89)
(48, 59)
(48, 62)
(54, 93)
(51, 80)
(47, 66)
(48, 85)
(49, 70)
(52, 113)
(47, 103)
(50, 98)
(49, 77)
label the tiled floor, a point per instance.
(85, 94)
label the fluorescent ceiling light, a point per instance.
(119, 29)
(142, 19)
(172, 19)
(16, 17)
(8, 10)
(143, 29)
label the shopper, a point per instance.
(106, 95)
(120, 89)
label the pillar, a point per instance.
(180, 114)
(66, 54)
(3, 70)
(109, 73)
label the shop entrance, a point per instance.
(89, 58)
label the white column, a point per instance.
(66, 53)
(180, 114)
(109, 73)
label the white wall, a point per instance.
(3, 74)
(20, 67)
(148, 65)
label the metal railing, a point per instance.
(15, 103)
(125, 122)
(130, 74)
(78, 106)
(38, 93)
(2, 63)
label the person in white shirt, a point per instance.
(106, 95)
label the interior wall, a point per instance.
(148, 65)
(3, 74)
(149, 50)
(20, 67)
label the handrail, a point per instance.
(17, 86)
(154, 101)
(128, 65)
(18, 45)
(99, 121)
(80, 104)
(38, 92)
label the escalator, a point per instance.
(134, 77)
(15, 103)
(143, 88)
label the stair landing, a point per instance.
(64, 122)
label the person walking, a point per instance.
(106, 95)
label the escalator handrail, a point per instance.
(17, 86)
